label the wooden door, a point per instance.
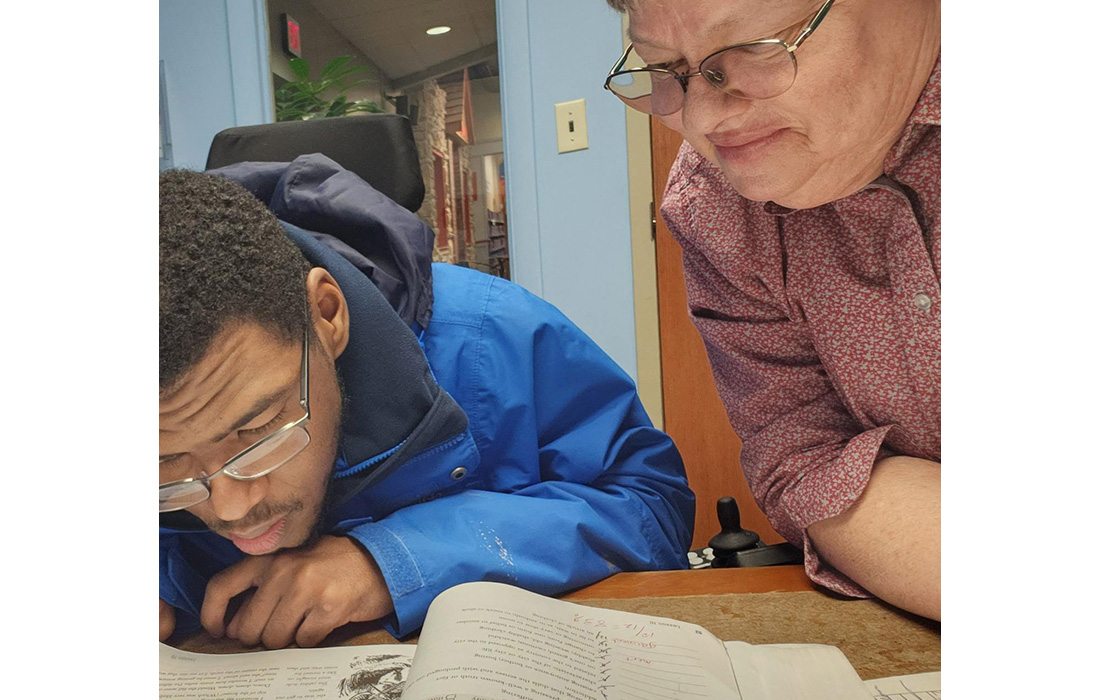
(694, 415)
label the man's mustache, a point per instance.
(261, 513)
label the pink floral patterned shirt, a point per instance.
(822, 326)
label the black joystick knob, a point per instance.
(732, 539)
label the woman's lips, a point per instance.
(745, 146)
(264, 541)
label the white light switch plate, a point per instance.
(572, 126)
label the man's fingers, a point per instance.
(167, 620)
(236, 611)
(252, 618)
(299, 596)
(316, 626)
(224, 586)
(295, 604)
(285, 620)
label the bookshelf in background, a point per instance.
(498, 244)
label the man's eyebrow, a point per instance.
(259, 407)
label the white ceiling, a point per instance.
(391, 32)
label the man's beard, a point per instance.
(321, 523)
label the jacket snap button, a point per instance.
(922, 301)
(458, 473)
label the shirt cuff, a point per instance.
(829, 491)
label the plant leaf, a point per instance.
(303, 98)
(338, 107)
(300, 68)
(363, 106)
(335, 66)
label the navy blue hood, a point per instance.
(390, 244)
(380, 255)
(393, 407)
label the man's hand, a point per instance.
(300, 595)
(167, 620)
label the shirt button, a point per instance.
(458, 473)
(922, 301)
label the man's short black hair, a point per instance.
(224, 259)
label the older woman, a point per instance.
(806, 199)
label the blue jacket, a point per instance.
(540, 469)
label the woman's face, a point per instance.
(859, 76)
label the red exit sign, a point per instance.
(292, 36)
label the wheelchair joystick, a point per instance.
(732, 539)
(737, 547)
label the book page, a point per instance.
(489, 640)
(795, 672)
(335, 673)
(919, 686)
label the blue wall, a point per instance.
(568, 221)
(215, 68)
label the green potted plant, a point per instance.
(303, 98)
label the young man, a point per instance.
(346, 429)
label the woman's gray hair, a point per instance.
(621, 5)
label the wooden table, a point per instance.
(769, 605)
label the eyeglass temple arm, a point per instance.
(304, 399)
(619, 64)
(812, 25)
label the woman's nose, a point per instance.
(706, 107)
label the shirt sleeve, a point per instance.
(579, 485)
(805, 457)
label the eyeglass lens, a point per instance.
(755, 71)
(271, 454)
(263, 459)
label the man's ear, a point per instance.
(330, 311)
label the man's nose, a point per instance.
(231, 499)
(706, 107)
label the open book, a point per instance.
(491, 641)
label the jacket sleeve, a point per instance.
(187, 561)
(179, 586)
(575, 484)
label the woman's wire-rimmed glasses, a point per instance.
(259, 459)
(756, 70)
